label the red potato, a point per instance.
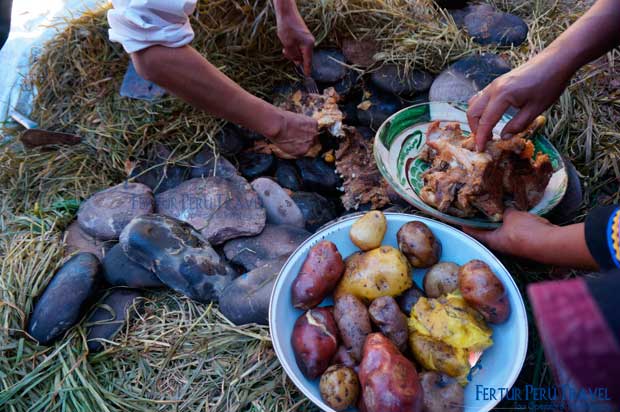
(389, 380)
(315, 341)
(343, 357)
(353, 323)
(483, 291)
(318, 276)
(385, 313)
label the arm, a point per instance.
(537, 84)
(297, 40)
(528, 236)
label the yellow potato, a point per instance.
(367, 232)
(383, 271)
(434, 355)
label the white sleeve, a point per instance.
(138, 24)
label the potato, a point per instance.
(385, 313)
(353, 323)
(441, 279)
(409, 298)
(314, 341)
(379, 272)
(389, 380)
(318, 276)
(343, 357)
(484, 291)
(435, 355)
(441, 393)
(367, 232)
(339, 387)
(418, 244)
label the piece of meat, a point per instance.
(462, 181)
(321, 107)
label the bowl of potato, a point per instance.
(382, 312)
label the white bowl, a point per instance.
(498, 367)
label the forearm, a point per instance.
(563, 246)
(186, 74)
(592, 35)
(284, 8)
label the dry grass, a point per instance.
(180, 355)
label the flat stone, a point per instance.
(349, 110)
(178, 255)
(393, 79)
(495, 27)
(273, 242)
(376, 108)
(287, 176)
(63, 301)
(253, 165)
(466, 77)
(205, 164)
(345, 85)
(220, 208)
(246, 300)
(318, 175)
(316, 209)
(327, 65)
(360, 52)
(157, 173)
(76, 240)
(230, 140)
(105, 214)
(109, 317)
(119, 270)
(280, 208)
(459, 14)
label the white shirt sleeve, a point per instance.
(138, 24)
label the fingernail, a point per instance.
(507, 136)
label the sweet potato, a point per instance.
(386, 314)
(318, 276)
(314, 341)
(389, 380)
(353, 323)
(483, 291)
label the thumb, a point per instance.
(520, 122)
(485, 236)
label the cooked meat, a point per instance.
(462, 181)
(322, 107)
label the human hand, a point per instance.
(531, 88)
(297, 40)
(297, 134)
(521, 234)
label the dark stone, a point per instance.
(316, 209)
(318, 175)
(409, 298)
(327, 65)
(282, 92)
(62, 302)
(287, 176)
(220, 208)
(273, 242)
(157, 173)
(360, 52)
(230, 140)
(119, 270)
(495, 27)
(205, 164)
(76, 240)
(366, 132)
(105, 214)
(253, 165)
(459, 14)
(246, 300)
(280, 208)
(393, 79)
(345, 85)
(382, 106)
(465, 77)
(350, 113)
(109, 317)
(568, 208)
(178, 255)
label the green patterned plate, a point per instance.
(401, 138)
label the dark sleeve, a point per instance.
(602, 237)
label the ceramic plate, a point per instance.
(401, 138)
(499, 365)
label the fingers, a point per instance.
(484, 236)
(494, 110)
(520, 122)
(476, 107)
(292, 54)
(306, 51)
